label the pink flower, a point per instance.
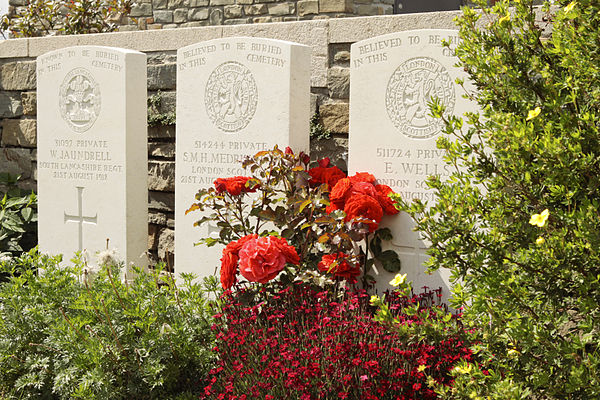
(261, 259)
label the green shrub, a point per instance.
(529, 278)
(42, 17)
(72, 332)
(18, 218)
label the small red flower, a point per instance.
(235, 185)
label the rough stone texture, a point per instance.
(161, 150)
(234, 11)
(180, 15)
(159, 4)
(163, 16)
(178, 3)
(342, 57)
(10, 105)
(197, 14)
(216, 17)
(16, 162)
(282, 8)
(157, 218)
(19, 75)
(153, 235)
(166, 246)
(335, 148)
(237, 21)
(326, 6)
(19, 132)
(141, 9)
(161, 132)
(29, 101)
(161, 175)
(335, 117)
(162, 76)
(161, 201)
(306, 7)
(338, 82)
(198, 3)
(221, 2)
(256, 9)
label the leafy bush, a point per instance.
(42, 18)
(72, 332)
(18, 218)
(519, 223)
(304, 342)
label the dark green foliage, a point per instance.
(531, 291)
(18, 217)
(69, 333)
(155, 116)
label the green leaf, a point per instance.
(390, 261)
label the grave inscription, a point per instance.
(393, 135)
(91, 144)
(235, 97)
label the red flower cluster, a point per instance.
(304, 344)
(234, 185)
(259, 259)
(338, 265)
(362, 199)
(325, 173)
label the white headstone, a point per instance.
(92, 152)
(235, 97)
(392, 135)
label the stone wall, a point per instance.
(330, 41)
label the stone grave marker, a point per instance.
(92, 152)
(235, 97)
(392, 78)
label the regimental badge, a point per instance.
(231, 96)
(412, 85)
(79, 99)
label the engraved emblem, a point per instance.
(79, 99)
(412, 85)
(231, 96)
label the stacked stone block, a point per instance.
(163, 14)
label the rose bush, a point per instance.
(286, 216)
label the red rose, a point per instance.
(235, 185)
(229, 261)
(363, 206)
(387, 204)
(364, 188)
(339, 192)
(325, 174)
(362, 177)
(338, 265)
(262, 258)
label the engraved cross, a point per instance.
(80, 218)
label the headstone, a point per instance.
(393, 136)
(235, 97)
(92, 152)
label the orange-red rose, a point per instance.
(235, 185)
(338, 265)
(364, 206)
(359, 197)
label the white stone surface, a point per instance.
(235, 97)
(392, 78)
(92, 157)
